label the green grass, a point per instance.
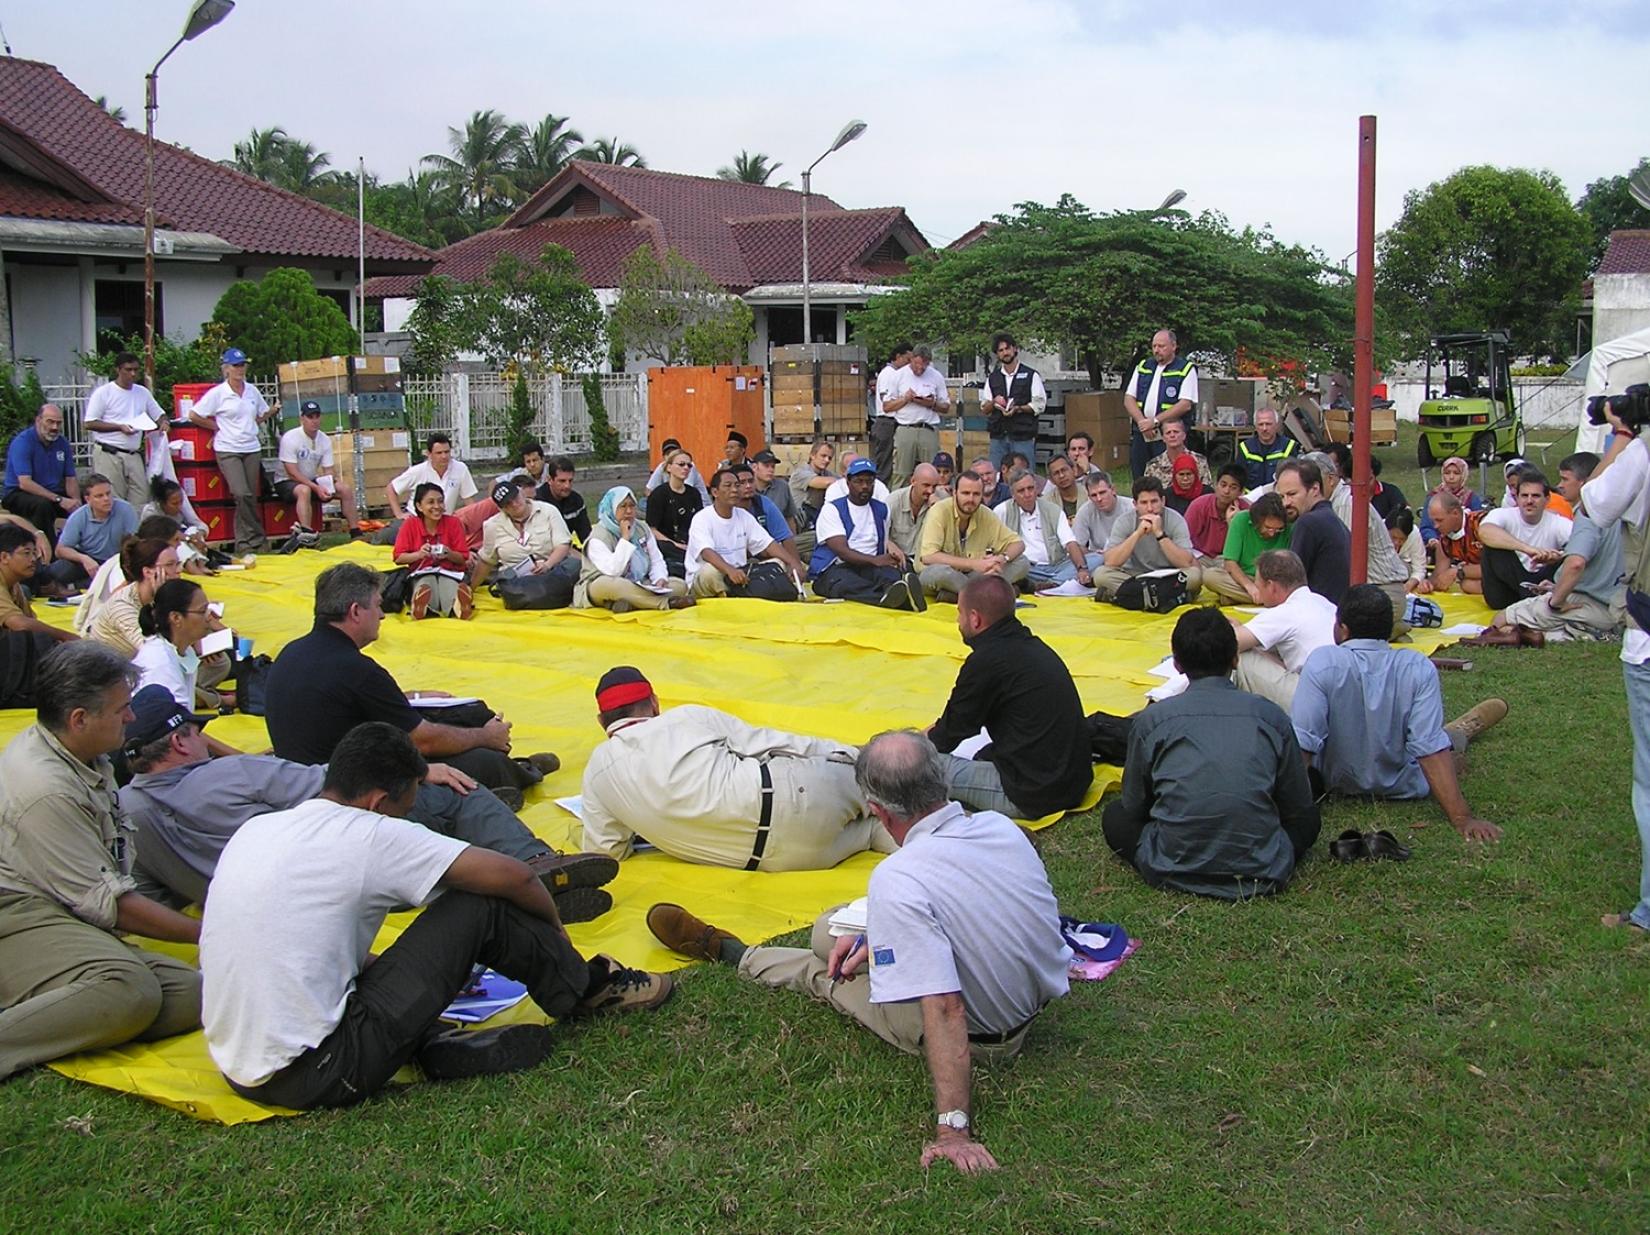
(1450, 1044)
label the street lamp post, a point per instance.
(848, 134)
(204, 15)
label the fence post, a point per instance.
(558, 431)
(461, 415)
(642, 410)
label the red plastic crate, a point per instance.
(198, 444)
(279, 518)
(219, 519)
(203, 482)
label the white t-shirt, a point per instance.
(237, 416)
(297, 897)
(1622, 491)
(310, 455)
(457, 486)
(862, 537)
(1296, 628)
(965, 906)
(125, 407)
(159, 664)
(929, 383)
(736, 539)
(839, 488)
(1549, 532)
(888, 386)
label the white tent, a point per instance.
(1611, 368)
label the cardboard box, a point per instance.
(1099, 413)
(1383, 426)
(335, 367)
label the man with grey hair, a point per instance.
(919, 400)
(962, 937)
(1293, 623)
(1261, 454)
(68, 982)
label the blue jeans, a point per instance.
(1637, 678)
(1000, 446)
(1056, 573)
(977, 784)
(1141, 452)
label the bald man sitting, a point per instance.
(706, 787)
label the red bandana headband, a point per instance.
(622, 694)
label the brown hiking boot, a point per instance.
(1473, 722)
(1496, 637)
(680, 931)
(1530, 637)
(625, 990)
(544, 763)
(561, 871)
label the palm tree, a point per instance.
(610, 150)
(302, 167)
(480, 166)
(544, 151)
(262, 154)
(118, 114)
(752, 169)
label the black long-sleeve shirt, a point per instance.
(1014, 685)
(1215, 781)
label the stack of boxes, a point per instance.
(375, 384)
(197, 465)
(1100, 414)
(818, 390)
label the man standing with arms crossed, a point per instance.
(1162, 388)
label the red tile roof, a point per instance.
(191, 193)
(1629, 253)
(739, 234)
(599, 243)
(26, 198)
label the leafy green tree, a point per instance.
(1063, 277)
(19, 401)
(1608, 206)
(518, 427)
(282, 317)
(752, 169)
(545, 149)
(1485, 248)
(480, 166)
(302, 167)
(538, 315)
(673, 312)
(610, 150)
(262, 154)
(434, 325)
(604, 438)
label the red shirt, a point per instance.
(413, 536)
(1208, 529)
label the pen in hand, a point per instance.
(859, 944)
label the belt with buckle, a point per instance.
(116, 450)
(997, 1039)
(765, 822)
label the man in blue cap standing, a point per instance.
(233, 410)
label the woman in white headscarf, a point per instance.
(623, 568)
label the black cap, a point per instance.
(944, 460)
(309, 407)
(764, 456)
(155, 713)
(503, 492)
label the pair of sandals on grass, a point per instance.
(1355, 846)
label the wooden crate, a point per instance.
(792, 421)
(843, 368)
(842, 418)
(1383, 426)
(809, 352)
(296, 371)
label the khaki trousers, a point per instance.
(607, 589)
(937, 579)
(898, 1024)
(1220, 582)
(1261, 673)
(913, 444)
(126, 474)
(68, 986)
(1588, 620)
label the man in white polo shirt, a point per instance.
(458, 488)
(1051, 546)
(306, 458)
(962, 938)
(919, 400)
(1274, 644)
(118, 415)
(723, 539)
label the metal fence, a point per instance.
(475, 409)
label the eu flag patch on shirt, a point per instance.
(882, 956)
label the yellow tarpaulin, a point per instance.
(843, 671)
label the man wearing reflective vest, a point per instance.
(1164, 387)
(1261, 454)
(854, 559)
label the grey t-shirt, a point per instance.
(1092, 526)
(1601, 578)
(779, 493)
(1148, 554)
(807, 501)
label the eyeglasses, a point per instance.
(201, 612)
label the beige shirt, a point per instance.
(116, 623)
(14, 601)
(61, 836)
(504, 544)
(904, 528)
(690, 782)
(940, 533)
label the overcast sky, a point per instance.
(972, 107)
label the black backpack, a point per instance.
(551, 590)
(1152, 593)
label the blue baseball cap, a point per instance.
(155, 713)
(234, 356)
(861, 466)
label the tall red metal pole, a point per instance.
(1363, 350)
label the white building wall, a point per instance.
(45, 316)
(1621, 305)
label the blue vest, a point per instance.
(823, 559)
(1168, 390)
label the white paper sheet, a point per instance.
(1069, 588)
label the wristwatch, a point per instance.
(957, 1121)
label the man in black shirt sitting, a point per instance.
(1215, 798)
(321, 687)
(1317, 535)
(558, 490)
(1016, 688)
